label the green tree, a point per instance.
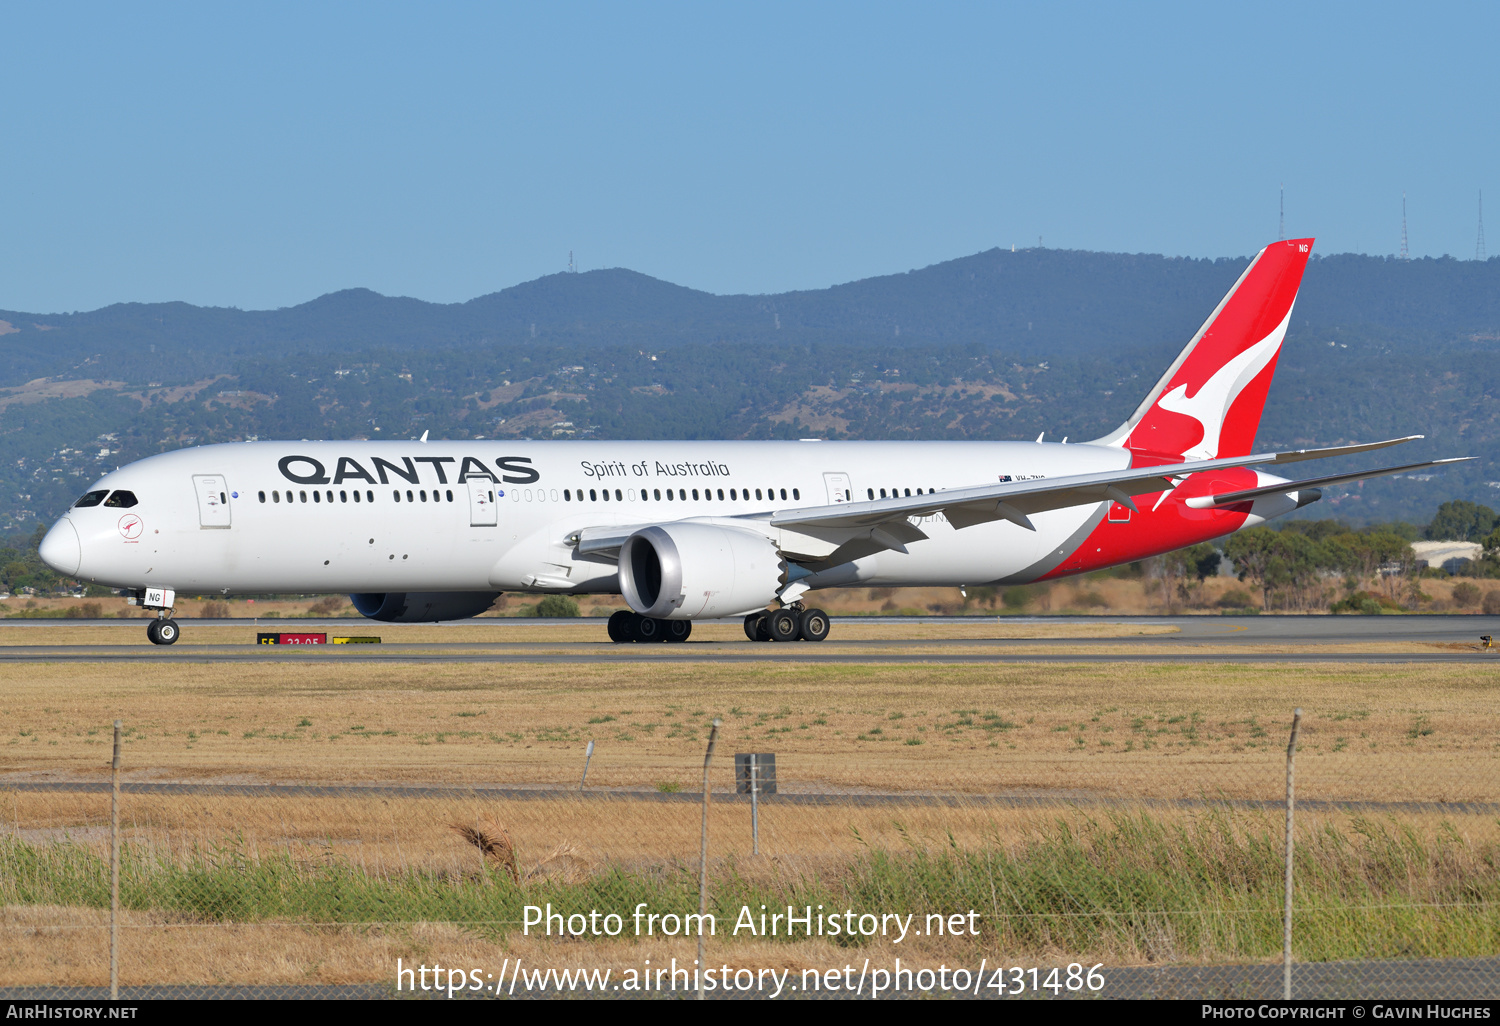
(1461, 520)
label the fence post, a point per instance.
(1286, 917)
(708, 756)
(754, 808)
(114, 871)
(588, 753)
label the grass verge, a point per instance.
(1128, 889)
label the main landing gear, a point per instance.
(793, 623)
(163, 631)
(625, 627)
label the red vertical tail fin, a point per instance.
(1208, 403)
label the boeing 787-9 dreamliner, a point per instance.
(425, 531)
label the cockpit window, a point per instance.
(91, 499)
(121, 499)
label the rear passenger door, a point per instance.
(213, 500)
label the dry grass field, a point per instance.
(334, 888)
(1371, 732)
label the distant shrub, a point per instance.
(557, 605)
(214, 611)
(1365, 603)
(1235, 598)
(325, 606)
(1492, 603)
(1090, 600)
(1467, 593)
(1016, 598)
(84, 611)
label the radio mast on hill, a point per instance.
(572, 267)
(1281, 232)
(1479, 245)
(1404, 254)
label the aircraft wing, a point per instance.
(1246, 495)
(1015, 500)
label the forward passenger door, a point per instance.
(213, 500)
(482, 506)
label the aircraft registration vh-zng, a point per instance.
(425, 531)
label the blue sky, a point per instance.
(261, 155)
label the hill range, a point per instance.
(998, 344)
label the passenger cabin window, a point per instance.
(275, 496)
(90, 499)
(870, 492)
(121, 500)
(262, 496)
(302, 496)
(757, 494)
(796, 494)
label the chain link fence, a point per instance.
(1118, 870)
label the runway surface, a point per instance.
(1197, 639)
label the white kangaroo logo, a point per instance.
(1211, 404)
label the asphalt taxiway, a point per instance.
(1188, 639)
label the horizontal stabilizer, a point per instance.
(1297, 455)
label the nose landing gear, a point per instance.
(163, 631)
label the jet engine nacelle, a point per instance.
(423, 607)
(691, 571)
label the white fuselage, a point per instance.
(504, 516)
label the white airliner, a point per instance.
(425, 531)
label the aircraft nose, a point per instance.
(60, 549)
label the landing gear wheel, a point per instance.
(622, 627)
(166, 633)
(752, 626)
(812, 625)
(151, 634)
(781, 625)
(648, 629)
(678, 630)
